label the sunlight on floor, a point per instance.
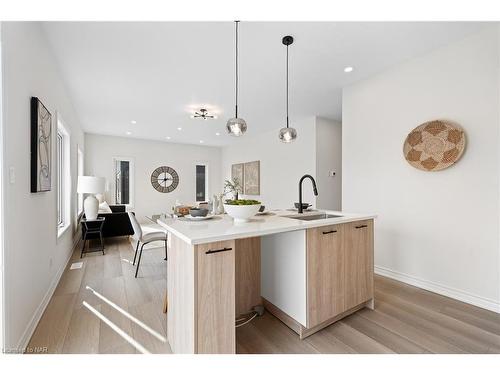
(128, 315)
(115, 328)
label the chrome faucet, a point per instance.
(300, 189)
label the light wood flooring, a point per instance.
(67, 326)
(405, 320)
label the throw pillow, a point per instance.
(104, 208)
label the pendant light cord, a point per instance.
(287, 86)
(236, 108)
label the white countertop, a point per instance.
(222, 227)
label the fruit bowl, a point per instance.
(242, 210)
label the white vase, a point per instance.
(221, 204)
(91, 207)
(215, 205)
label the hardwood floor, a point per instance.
(121, 314)
(132, 306)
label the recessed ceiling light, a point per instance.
(179, 128)
(217, 133)
(201, 141)
(167, 137)
(133, 122)
(348, 69)
(128, 133)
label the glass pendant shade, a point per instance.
(287, 135)
(236, 126)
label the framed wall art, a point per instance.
(237, 173)
(41, 147)
(251, 178)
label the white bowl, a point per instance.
(241, 213)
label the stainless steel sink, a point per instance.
(313, 217)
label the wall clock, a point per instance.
(164, 179)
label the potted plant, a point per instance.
(233, 187)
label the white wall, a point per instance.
(438, 230)
(147, 156)
(281, 165)
(34, 257)
(2, 302)
(329, 159)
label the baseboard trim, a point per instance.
(431, 286)
(30, 329)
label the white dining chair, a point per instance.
(144, 238)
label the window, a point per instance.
(124, 181)
(63, 178)
(201, 183)
(122, 176)
(79, 169)
(60, 178)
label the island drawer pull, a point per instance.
(361, 226)
(218, 251)
(330, 231)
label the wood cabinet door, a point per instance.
(325, 273)
(216, 298)
(358, 245)
(247, 268)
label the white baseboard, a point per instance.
(30, 329)
(431, 286)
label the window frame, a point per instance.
(63, 176)
(80, 171)
(207, 190)
(131, 187)
(60, 178)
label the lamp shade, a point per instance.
(90, 184)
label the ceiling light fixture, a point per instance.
(133, 122)
(236, 126)
(203, 114)
(201, 141)
(287, 134)
(167, 137)
(179, 129)
(128, 133)
(348, 69)
(217, 134)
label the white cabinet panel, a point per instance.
(283, 272)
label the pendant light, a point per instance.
(287, 134)
(236, 126)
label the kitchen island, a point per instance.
(308, 273)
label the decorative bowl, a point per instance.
(196, 212)
(241, 213)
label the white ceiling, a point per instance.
(157, 73)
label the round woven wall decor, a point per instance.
(434, 145)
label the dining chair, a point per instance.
(144, 238)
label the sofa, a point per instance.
(116, 224)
